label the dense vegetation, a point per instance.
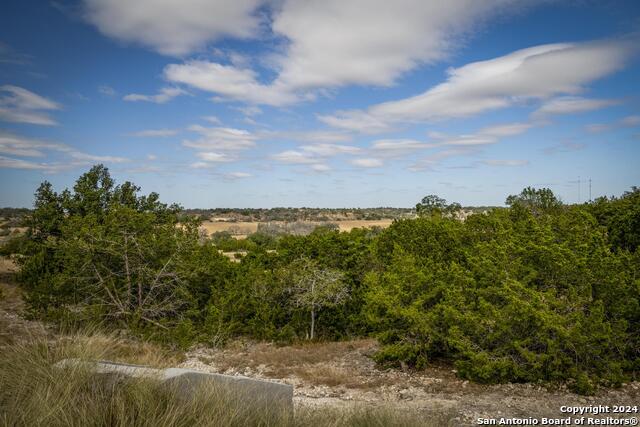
(538, 291)
(302, 214)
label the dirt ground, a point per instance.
(339, 374)
(343, 373)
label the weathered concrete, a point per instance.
(187, 380)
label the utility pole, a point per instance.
(589, 189)
(579, 190)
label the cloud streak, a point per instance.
(535, 73)
(20, 105)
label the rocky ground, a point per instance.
(343, 373)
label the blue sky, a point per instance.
(338, 103)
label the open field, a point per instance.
(243, 228)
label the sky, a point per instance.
(333, 103)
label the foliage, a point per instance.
(621, 217)
(313, 288)
(538, 201)
(103, 253)
(521, 295)
(433, 205)
(538, 291)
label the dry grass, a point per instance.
(34, 393)
(331, 364)
(236, 228)
(13, 326)
(241, 354)
(242, 229)
(349, 225)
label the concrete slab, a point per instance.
(188, 380)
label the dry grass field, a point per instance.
(240, 230)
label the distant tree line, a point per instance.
(538, 291)
(302, 214)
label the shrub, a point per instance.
(516, 295)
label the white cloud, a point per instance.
(597, 127)
(213, 119)
(571, 105)
(328, 150)
(358, 121)
(510, 163)
(630, 121)
(166, 94)
(336, 42)
(173, 27)
(229, 81)
(503, 130)
(26, 147)
(238, 175)
(320, 168)
(535, 73)
(155, 133)
(431, 161)
(485, 136)
(90, 158)
(220, 138)
(470, 140)
(294, 157)
(22, 106)
(199, 165)
(10, 163)
(328, 136)
(249, 111)
(16, 145)
(367, 162)
(314, 155)
(107, 90)
(398, 147)
(564, 146)
(212, 157)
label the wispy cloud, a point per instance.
(221, 138)
(535, 73)
(564, 146)
(294, 157)
(628, 121)
(26, 147)
(20, 146)
(155, 133)
(107, 91)
(20, 105)
(503, 163)
(572, 105)
(10, 56)
(166, 94)
(367, 162)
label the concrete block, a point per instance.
(188, 380)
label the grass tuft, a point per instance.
(34, 393)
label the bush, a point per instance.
(521, 295)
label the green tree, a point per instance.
(538, 201)
(313, 287)
(433, 205)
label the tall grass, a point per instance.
(35, 393)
